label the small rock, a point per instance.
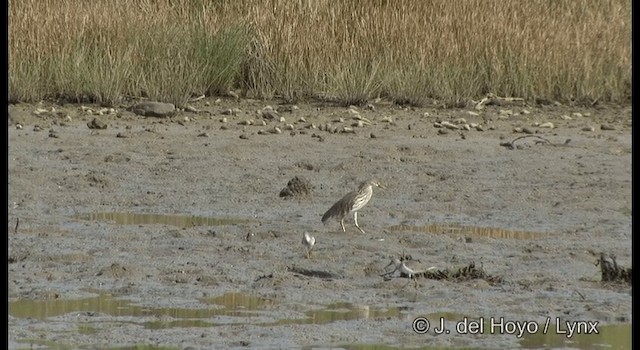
(223, 120)
(233, 94)
(466, 127)
(506, 112)
(302, 120)
(153, 109)
(527, 130)
(373, 136)
(443, 131)
(53, 133)
(479, 127)
(262, 132)
(358, 124)
(565, 117)
(244, 137)
(607, 127)
(247, 122)
(472, 113)
(204, 134)
(218, 101)
(282, 120)
(577, 115)
(289, 126)
(19, 126)
(517, 129)
(547, 125)
(96, 124)
(387, 119)
(448, 125)
(371, 107)
(224, 127)
(123, 135)
(191, 109)
(347, 130)
(263, 123)
(525, 111)
(460, 121)
(588, 128)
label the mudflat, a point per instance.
(170, 233)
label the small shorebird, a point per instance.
(407, 268)
(308, 241)
(351, 203)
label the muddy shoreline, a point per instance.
(180, 219)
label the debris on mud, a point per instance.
(511, 144)
(464, 273)
(313, 273)
(611, 272)
(297, 187)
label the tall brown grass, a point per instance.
(349, 51)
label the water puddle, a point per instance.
(615, 336)
(469, 230)
(233, 305)
(182, 221)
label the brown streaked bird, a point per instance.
(351, 203)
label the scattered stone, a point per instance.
(358, 124)
(233, 94)
(387, 119)
(528, 130)
(53, 134)
(244, 137)
(19, 126)
(466, 127)
(262, 132)
(479, 127)
(153, 109)
(371, 107)
(288, 127)
(276, 130)
(442, 131)
(263, 123)
(448, 125)
(472, 113)
(223, 120)
(297, 187)
(204, 134)
(40, 111)
(302, 120)
(96, 124)
(191, 109)
(460, 121)
(123, 135)
(577, 115)
(224, 127)
(373, 136)
(588, 128)
(547, 125)
(268, 113)
(348, 130)
(517, 129)
(607, 127)
(282, 120)
(246, 122)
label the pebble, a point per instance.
(466, 127)
(565, 117)
(302, 120)
(96, 124)
(547, 125)
(448, 125)
(525, 111)
(460, 121)
(19, 126)
(442, 131)
(191, 109)
(348, 130)
(223, 120)
(123, 135)
(527, 130)
(153, 109)
(588, 128)
(204, 134)
(282, 120)
(607, 127)
(244, 137)
(577, 115)
(224, 127)
(289, 127)
(373, 136)
(358, 124)
(387, 119)
(472, 113)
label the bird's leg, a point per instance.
(355, 218)
(342, 224)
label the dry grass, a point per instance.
(349, 51)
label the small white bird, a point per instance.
(308, 241)
(407, 268)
